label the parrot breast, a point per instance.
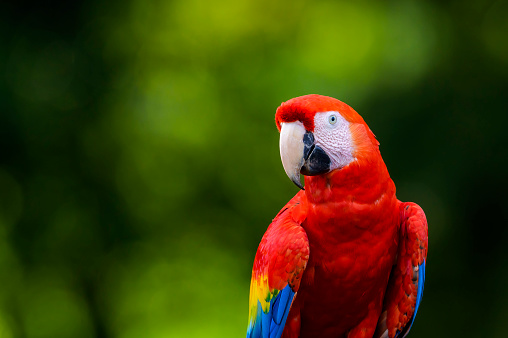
(352, 228)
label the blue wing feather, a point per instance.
(271, 324)
(419, 295)
(280, 307)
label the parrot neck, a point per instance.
(362, 181)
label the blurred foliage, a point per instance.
(139, 159)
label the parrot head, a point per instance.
(320, 134)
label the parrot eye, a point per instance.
(332, 119)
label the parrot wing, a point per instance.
(278, 267)
(405, 286)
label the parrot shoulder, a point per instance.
(280, 261)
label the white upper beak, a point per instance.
(291, 149)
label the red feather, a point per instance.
(362, 241)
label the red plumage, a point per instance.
(364, 245)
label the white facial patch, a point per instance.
(332, 134)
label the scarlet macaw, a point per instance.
(344, 258)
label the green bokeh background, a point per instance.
(139, 161)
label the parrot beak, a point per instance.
(300, 154)
(291, 150)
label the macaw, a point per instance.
(344, 257)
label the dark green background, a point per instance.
(139, 161)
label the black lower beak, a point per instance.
(316, 160)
